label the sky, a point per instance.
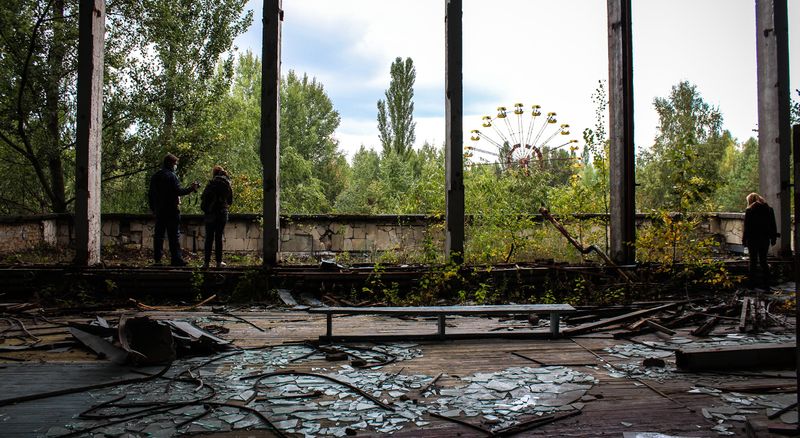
(549, 53)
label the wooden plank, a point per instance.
(655, 326)
(446, 310)
(766, 356)
(706, 328)
(617, 319)
(743, 315)
(435, 337)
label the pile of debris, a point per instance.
(146, 341)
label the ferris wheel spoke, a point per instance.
(515, 145)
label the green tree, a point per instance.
(427, 193)
(313, 170)
(739, 175)
(182, 69)
(396, 114)
(146, 43)
(38, 67)
(308, 122)
(361, 196)
(795, 113)
(681, 170)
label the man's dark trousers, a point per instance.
(171, 224)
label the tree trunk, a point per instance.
(55, 164)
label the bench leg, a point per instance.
(554, 322)
(441, 326)
(329, 325)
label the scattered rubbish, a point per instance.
(652, 362)
(287, 298)
(143, 306)
(103, 348)
(147, 341)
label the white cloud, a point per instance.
(529, 51)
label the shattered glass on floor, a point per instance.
(249, 389)
(501, 398)
(665, 350)
(736, 406)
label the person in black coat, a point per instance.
(217, 197)
(760, 231)
(164, 197)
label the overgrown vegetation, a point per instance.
(174, 84)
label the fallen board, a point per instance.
(738, 357)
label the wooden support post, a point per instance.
(554, 323)
(441, 326)
(772, 62)
(622, 154)
(329, 325)
(89, 128)
(454, 133)
(270, 128)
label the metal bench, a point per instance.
(554, 310)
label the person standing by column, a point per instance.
(164, 197)
(217, 197)
(760, 231)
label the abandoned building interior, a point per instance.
(610, 347)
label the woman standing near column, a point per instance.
(760, 231)
(217, 197)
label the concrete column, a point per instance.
(772, 59)
(454, 135)
(270, 128)
(89, 128)
(622, 153)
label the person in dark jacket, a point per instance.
(164, 197)
(760, 231)
(217, 197)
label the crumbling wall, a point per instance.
(301, 235)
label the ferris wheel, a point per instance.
(518, 139)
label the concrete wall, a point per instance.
(301, 236)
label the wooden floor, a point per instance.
(620, 405)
